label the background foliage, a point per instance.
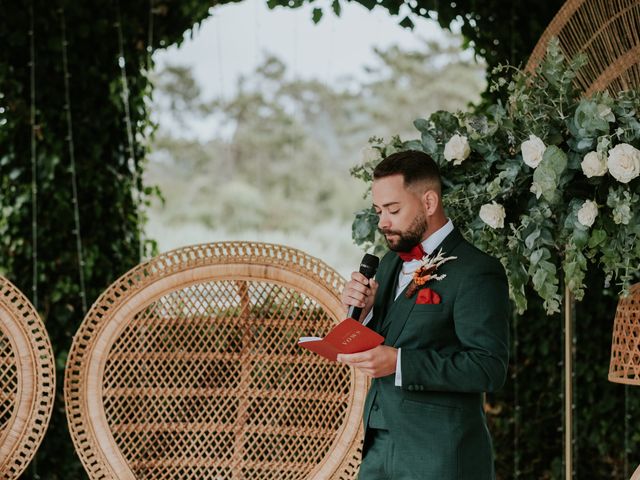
(284, 130)
(539, 233)
(109, 182)
(107, 191)
(498, 30)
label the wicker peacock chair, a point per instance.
(608, 32)
(27, 381)
(188, 367)
(624, 366)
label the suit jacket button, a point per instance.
(411, 387)
(375, 407)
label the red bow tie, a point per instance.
(416, 253)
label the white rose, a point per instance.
(457, 149)
(492, 214)
(532, 151)
(588, 213)
(624, 162)
(594, 165)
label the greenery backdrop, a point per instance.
(110, 191)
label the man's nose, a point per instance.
(383, 222)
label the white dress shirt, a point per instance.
(406, 274)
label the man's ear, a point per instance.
(430, 201)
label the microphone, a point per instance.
(368, 267)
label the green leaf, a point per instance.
(597, 237)
(317, 15)
(364, 226)
(337, 9)
(412, 145)
(537, 255)
(421, 124)
(429, 143)
(580, 237)
(531, 238)
(407, 23)
(555, 159)
(539, 278)
(445, 121)
(547, 175)
(369, 4)
(585, 144)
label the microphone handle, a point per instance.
(368, 268)
(354, 312)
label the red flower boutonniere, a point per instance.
(427, 271)
(426, 296)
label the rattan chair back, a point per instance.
(187, 367)
(608, 32)
(624, 366)
(27, 381)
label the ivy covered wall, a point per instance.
(83, 118)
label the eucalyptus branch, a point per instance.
(556, 228)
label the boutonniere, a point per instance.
(427, 271)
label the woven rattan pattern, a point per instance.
(608, 32)
(27, 381)
(8, 381)
(624, 366)
(206, 379)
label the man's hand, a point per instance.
(377, 362)
(359, 292)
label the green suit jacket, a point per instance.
(452, 352)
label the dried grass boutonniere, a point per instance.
(427, 271)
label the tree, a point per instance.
(497, 30)
(285, 165)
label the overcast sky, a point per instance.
(236, 37)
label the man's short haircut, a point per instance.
(414, 166)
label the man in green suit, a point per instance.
(446, 341)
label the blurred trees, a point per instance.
(278, 154)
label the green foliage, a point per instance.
(547, 174)
(528, 158)
(499, 31)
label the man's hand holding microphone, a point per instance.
(358, 296)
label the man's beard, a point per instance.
(409, 238)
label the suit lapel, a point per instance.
(386, 291)
(397, 317)
(398, 313)
(450, 242)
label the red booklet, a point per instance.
(349, 336)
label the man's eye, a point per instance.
(394, 212)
